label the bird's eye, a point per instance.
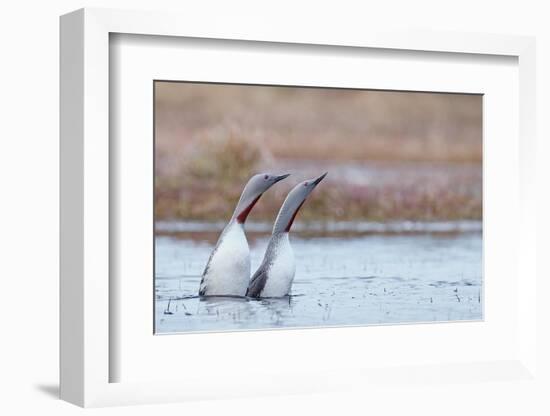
(266, 177)
(306, 184)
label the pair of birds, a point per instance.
(227, 272)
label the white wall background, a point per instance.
(29, 204)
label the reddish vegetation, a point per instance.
(389, 155)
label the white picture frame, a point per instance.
(86, 351)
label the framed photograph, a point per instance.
(276, 208)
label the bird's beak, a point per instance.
(319, 179)
(281, 177)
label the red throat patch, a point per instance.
(287, 229)
(241, 218)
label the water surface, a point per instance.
(403, 274)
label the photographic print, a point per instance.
(300, 207)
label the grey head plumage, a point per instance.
(252, 192)
(293, 202)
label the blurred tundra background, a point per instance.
(390, 155)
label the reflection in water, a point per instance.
(354, 280)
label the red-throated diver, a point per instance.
(274, 277)
(227, 272)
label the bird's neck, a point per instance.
(285, 218)
(243, 209)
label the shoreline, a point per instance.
(330, 227)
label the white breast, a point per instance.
(281, 270)
(228, 272)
